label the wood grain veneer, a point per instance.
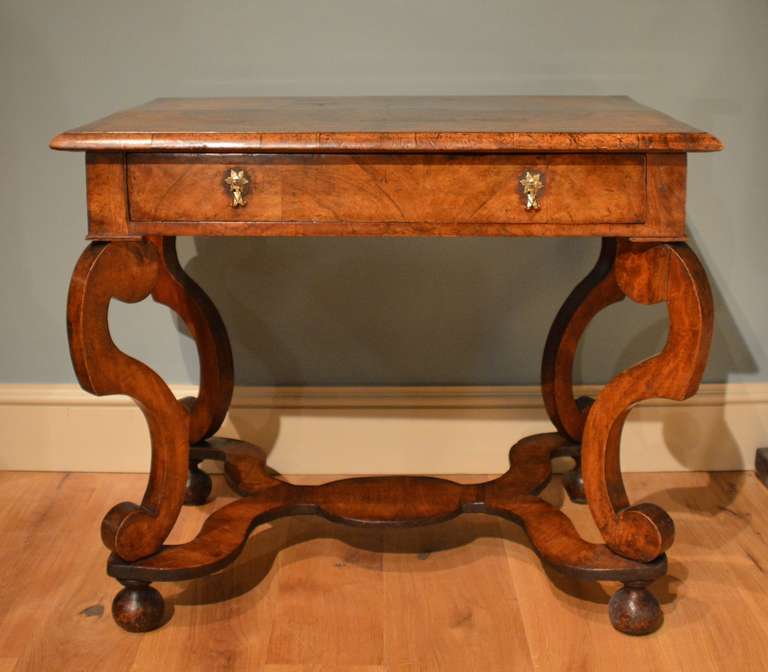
(390, 124)
(322, 188)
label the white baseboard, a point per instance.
(364, 430)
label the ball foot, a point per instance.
(634, 610)
(199, 485)
(138, 607)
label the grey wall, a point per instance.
(349, 311)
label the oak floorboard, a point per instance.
(309, 595)
(56, 617)
(450, 597)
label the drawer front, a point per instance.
(571, 189)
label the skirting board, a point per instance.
(365, 430)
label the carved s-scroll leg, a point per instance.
(175, 289)
(595, 292)
(647, 273)
(128, 271)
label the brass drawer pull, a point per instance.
(236, 180)
(532, 185)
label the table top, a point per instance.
(390, 124)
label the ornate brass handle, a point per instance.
(532, 185)
(236, 181)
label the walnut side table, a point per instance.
(404, 166)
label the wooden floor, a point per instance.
(310, 595)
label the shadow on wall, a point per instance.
(419, 311)
(368, 311)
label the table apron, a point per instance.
(623, 195)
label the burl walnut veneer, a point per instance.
(418, 166)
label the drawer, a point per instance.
(456, 189)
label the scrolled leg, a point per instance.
(138, 607)
(595, 292)
(199, 485)
(634, 610)
(175, 289)
(598, 290)
(573, 482)
(128, 271)
(647, 273)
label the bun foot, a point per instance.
(138, 607)
(199, 485)
(634, 610)
(574, 485)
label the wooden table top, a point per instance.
(390, 124)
